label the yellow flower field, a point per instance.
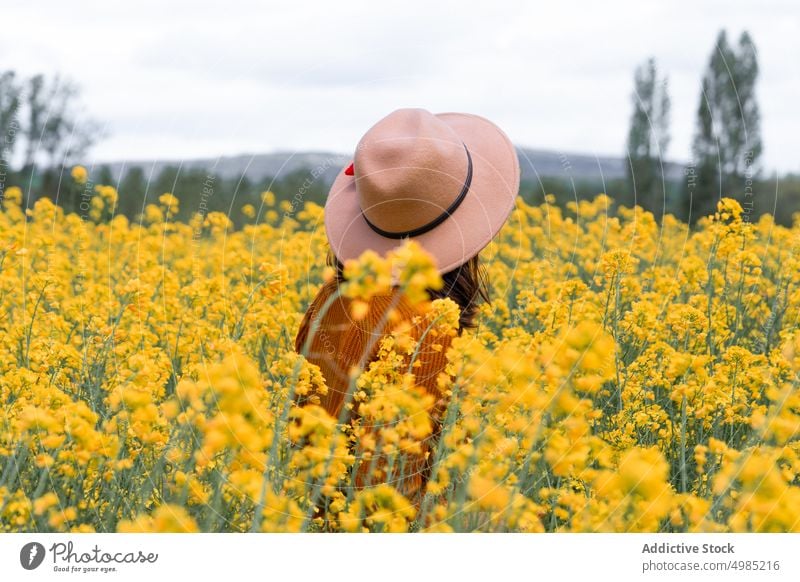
(629, 376)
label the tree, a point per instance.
(648, 137)
(105, 176)
(727, 144)
(53, 126)
(9, 112)
(132, 192)
(9, 124)
(40, 118)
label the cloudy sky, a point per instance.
(178, 80)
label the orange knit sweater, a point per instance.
(341, 342)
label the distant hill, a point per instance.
(550, 164)
(534, 164)
(256, 167)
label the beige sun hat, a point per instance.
(446, 180)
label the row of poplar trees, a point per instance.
(726, 146)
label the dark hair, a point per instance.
(467, 284)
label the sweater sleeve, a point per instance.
(310, 314)
(338, 344)
(357, 343)
(427, 361)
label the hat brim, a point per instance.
(472, 226)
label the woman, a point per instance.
(447, 180)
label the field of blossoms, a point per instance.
(629, 376)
